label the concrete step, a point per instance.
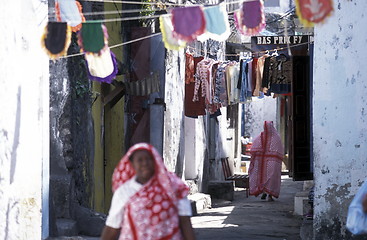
(66, 227)
(301, 203)
(192, 186)
(199, 202)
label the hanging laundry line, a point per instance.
(113, 12)
(117, 45)
(154, 3)
(259, 52)
(141, 17)
(151, 3)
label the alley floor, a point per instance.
(251, 218)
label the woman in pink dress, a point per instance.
(149, 202)
(267, 153)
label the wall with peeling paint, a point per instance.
(339, 116)
(24, 121)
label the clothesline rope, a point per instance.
(146, 17)
(113, 12)
(118, 45)
(156, 3)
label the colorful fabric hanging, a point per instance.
(56, 39)
(217, 24)
(93, 37)
(313, 11)
(70, 11)
(250, 18)
(188, 23)
(170, 42)
(101, 67)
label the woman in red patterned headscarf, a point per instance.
(266, 163)
(149, 203)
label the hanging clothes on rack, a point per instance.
(232, 73)
(269, 65)
(204, 79)
(259, 75)
(253, 78)
(244, 83)
(220, 93)
(282, 74)
(197, 108)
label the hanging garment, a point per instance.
(93, 37)
(250, 18)
(152, 212)
(220, 92)
(232, 75)
(269, 68)
(170, 42)
(253, 78)
(259, 74)
(313, 11)
(249, 79)
(245, 93)
(188, 23)
(282, 74)
(189, 68)
(217, 24)
(266, 162)
(197, 108)
(56, 39)
(101, 68)
(204, 76)
(70, 11)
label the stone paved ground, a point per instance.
(251, 218)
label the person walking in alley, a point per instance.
(267, 153)
(149, 203)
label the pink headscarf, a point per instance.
(152, 212)
(267, 153)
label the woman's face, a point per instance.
(143, 165)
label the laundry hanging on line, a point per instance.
(212, 84)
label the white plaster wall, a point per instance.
(24, 133)
(339, 115)
(281, 6)
(257, 112)
(174, 115)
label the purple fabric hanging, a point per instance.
(188, 23)
(250, 19)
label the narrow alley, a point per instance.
(251, 218)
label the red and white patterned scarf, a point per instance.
(267, 153)
(152, 212)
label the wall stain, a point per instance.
(324, 171)
(13, 162)
(327, 226)
(338, 143)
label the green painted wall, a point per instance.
(109, 122)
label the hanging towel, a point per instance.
(93, 37)
(70, 11)
(103, 67)
(250, 18)
(56, 39)
(217, 24)
(313, 11)
(170, 42)
(188, 23)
